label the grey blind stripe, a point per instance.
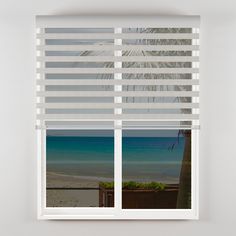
(124, 127)
(103, 47)
(116, 93)
(110, 125)
(119, 82)
(179, 117)
(108, 69)
(117, 105)
(120, 36)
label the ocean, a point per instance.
(144, 159)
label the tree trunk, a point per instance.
(184, 195)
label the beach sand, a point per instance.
(58, 180)
(74, 197)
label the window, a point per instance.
(76, 162)
(117, 117)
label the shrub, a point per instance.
(108, 185)
(135, 185)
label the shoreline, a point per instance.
(76, 191)
(60, 180)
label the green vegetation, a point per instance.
(108, 185)
(135, 185)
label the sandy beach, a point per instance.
(58, 180)
(71, 198)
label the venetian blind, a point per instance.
(118, 71)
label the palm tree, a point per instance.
(184, 195)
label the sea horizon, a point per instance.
(144, 159)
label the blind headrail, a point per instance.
(58, 21)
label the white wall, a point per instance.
(218, 116)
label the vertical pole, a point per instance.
(117, 129)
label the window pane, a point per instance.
(156, 169)
(77, 162)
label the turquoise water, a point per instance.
(144, 158)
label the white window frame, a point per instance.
(116, 213)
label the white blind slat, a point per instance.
(118, 70)
(104, 47)
(121, 59)
(120, 36)
(175, 117)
